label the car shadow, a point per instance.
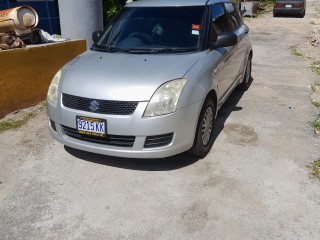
(159, 164)
(164, 164)
(231, 105)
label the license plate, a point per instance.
(288, 6)
(91, 126)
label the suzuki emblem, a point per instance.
(94, 106)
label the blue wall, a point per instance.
(46, 9)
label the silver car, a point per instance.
(151, 85)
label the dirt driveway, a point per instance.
(254, 184)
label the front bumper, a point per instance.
(182, 123)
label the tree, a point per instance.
(111, 8)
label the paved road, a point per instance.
(254, 184)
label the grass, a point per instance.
(315, 169)
(295, 52)
(22, 119)
(316, 125)
(315, 67)
(316, 104)
(314, 88)
(10, 124)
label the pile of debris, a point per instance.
(10, 41)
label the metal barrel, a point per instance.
(20, 19)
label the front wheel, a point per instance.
(204, 135)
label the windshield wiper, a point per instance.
(101, 48)
(109, 48)
(116, 49)
(163, 50)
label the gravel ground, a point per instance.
(254, 184)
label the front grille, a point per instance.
(113, 140)
(99, 106)
(158, 141)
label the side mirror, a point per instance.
(96, 35)
(225, 39)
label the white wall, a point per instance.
(79, 18)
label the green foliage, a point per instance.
(111, 8)
(314, 88)
(316, 125)
(316, 104)
(295, 52)
(315, 169)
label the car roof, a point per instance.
(172, 3)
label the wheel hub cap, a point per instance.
(207, 122)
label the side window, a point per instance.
(219, 21)
(234, 15)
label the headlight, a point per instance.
(165, 99)
(53, 88)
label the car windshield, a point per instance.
(153, 30)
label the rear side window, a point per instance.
(234, 15)
(220, 18)
(219, 21)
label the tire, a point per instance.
(247, 76)
(275, 14)
(203, 140)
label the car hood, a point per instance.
(121, 76)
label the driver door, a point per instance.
(227, 70)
